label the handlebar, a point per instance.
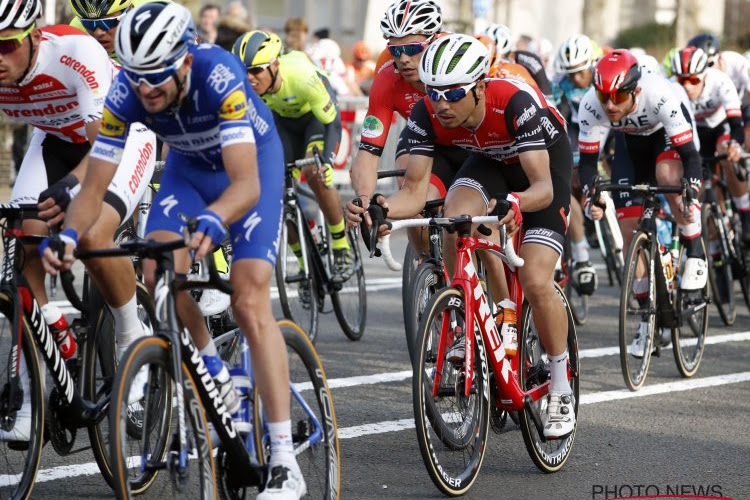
(384, 174)
(647, 189)
(448, 223)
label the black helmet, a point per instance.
(710, 44)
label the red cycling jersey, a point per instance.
(389, 93)
(517, 119)
(65, 88)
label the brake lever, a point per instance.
(363, 229)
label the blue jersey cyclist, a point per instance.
(224, 167)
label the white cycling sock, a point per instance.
(579, 250)
(282, 447)
(128, 326)
(558, 369)
(209, 350)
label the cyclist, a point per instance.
(199, 101)
(55, 79)
(518, 147)
(307, 116)
(502, 68)
(575, 61)
(656, 134)
(409, 26)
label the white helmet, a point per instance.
(154, 34)
(576, 53)
(411, 17)
(454, 59)
(689, 61)
(325, 53)
(19, 13)
(502, 37)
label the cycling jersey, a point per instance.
(389, 93)
(66, 87)
(517, 119)
(718, 101)
(220, 109)
(657, 107)
(535, 67)
(504, 68)
(305, 95)
(737, 67)
(62, 92)
(572, 94)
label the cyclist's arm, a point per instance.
(323, 104)
(364, 174)
(539, 194)
(590, 120)
(410, 199)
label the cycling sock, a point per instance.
(282, 447)
(338, 235)
(742, 202)
(128, 326)
(209, 350)
(579, 250)
(558, 369)
(297, 249)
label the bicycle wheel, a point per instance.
(549, 455)
(741, 259)
(350, 301)
(451, 427)
(579, 303)
(689, 341)
(427, 281)
(637, 312)
(136, 461)
(720, 275)
(314, 430)
(99, 362)
(298, 294)
(20, 459)
(614, 259)
(411, 262)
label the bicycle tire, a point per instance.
(549, 455)
(411, 262)
(741, 264)
(615, 260)
(689, 340)
(306, 373)
(579, 303)
(130, 476)
(19, 484)
(426, 282)
(289, 272)
(350, 302)
(99, 362)
(720, 276)
(453, 450)
(639, 251)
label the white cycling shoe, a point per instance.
(284, 483)
(694, 274)
(213, 302)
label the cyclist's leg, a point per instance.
(737, 188)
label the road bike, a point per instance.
(186, 434)
(652, 304)
(305, 280)
(455, 403)
(80, 396)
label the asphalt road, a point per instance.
(675, 438)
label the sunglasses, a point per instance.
(451, 95)
(410, 49)
(615, 97)
(260, 68)
(154, 77)
(692, 79)
(10, 44)
(105, 24)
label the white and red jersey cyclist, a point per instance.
(62, 92)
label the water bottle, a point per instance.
(242, 417)
(223, 380)
(663, 227)
(58, 328)
(506, 324)
(666, 263)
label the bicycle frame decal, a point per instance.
(199, 368)
(9, 260)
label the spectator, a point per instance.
(208, 22)
(326, 54)
(230, 28)
(362, 67)
(237, 10)
(295, 31)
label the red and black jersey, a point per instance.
(517, 119)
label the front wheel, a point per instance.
(689, 340)
(153, 458)
(425, 283)
(313, 417)
(451, 426)
(549, 455)
(350, 298)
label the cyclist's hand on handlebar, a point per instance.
(732, 149)
(513, 218)
(54, 200)
(209, 232)
(594, 211)
(50, 249)
(379, 199)
(355, 212)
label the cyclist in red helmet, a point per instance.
(656, 146)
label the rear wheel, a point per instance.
(451, 426)
(637, 312)
(350, 298)
(427, 281)
(614, 258)
(720, 275)
(549, 455)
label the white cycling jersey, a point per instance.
(62, 92)
(717, 101)
(737, 67)
(657, 106)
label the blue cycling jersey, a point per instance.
(574, 95)
(220, 109)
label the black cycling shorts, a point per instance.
(446, 162)
(297, 133)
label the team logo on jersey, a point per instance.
(234, 106)
(220, 77)
(372, 127)
(111, 125)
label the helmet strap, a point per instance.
(274, 76)
(182, 86)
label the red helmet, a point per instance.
(689, 61)
(617, 71)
